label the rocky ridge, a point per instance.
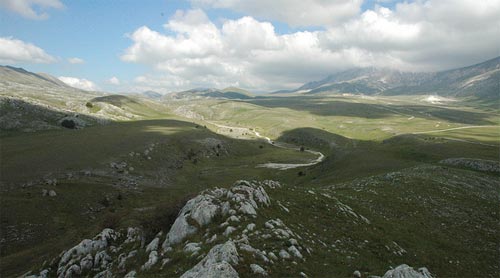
(216, 228)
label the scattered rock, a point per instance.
(257, 269)
(217, 263)
(192, 247)
(153, 245)
(131, 274)
(284, 254)
(229, 230)
(250, 227)
(405, 271)
(293, 250)
(152, 260)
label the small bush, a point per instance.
(68, 124)
(89, 105)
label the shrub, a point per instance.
(68, 124)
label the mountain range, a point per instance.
(479, 80)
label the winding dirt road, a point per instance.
(279, 166)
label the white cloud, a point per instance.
(13, 51)
(114, 80)
(32, 9)
(293, 12)
(419, 35)
(83, 84)
(75, 60)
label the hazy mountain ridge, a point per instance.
(227, 93)
(480, 80)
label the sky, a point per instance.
(259, 45)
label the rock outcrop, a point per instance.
(224, 220)
(474, 164)
(405, 271)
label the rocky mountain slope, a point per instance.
(480, 80)
(38, 101)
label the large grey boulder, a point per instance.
(179, 231)
(217, 263)
(405, 271)
(257, 269)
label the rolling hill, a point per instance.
(227, 93)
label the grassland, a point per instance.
(173, 147)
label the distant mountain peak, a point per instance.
(477, 80)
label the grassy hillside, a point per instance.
(381, 197)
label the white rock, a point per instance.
(250, 227)
(247, 248)
(233, 218)
(179, 231)
(153, 245)
(101, 259)
(229, 230)
(284, 254)
(357, 274)
(204, 210)
(131, 274)
(217, 263)
(192, 247)
(269, 225)
(215, 270)
(212, 239)
(226, 206)
(133, 235)
(152, 260)
(86, 263)
(405, 271)
(85, 247)
(257, 269)
(272, 256)
(104, 274)
(73, 270)
(293, 250)
(52, 193)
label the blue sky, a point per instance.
(281, 49)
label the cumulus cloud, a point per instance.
(422, 35)
(418, 36)
(75, 60)
(13, 51)
(78, 83)
(293, 12)
(32, 9)
(114, 80)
